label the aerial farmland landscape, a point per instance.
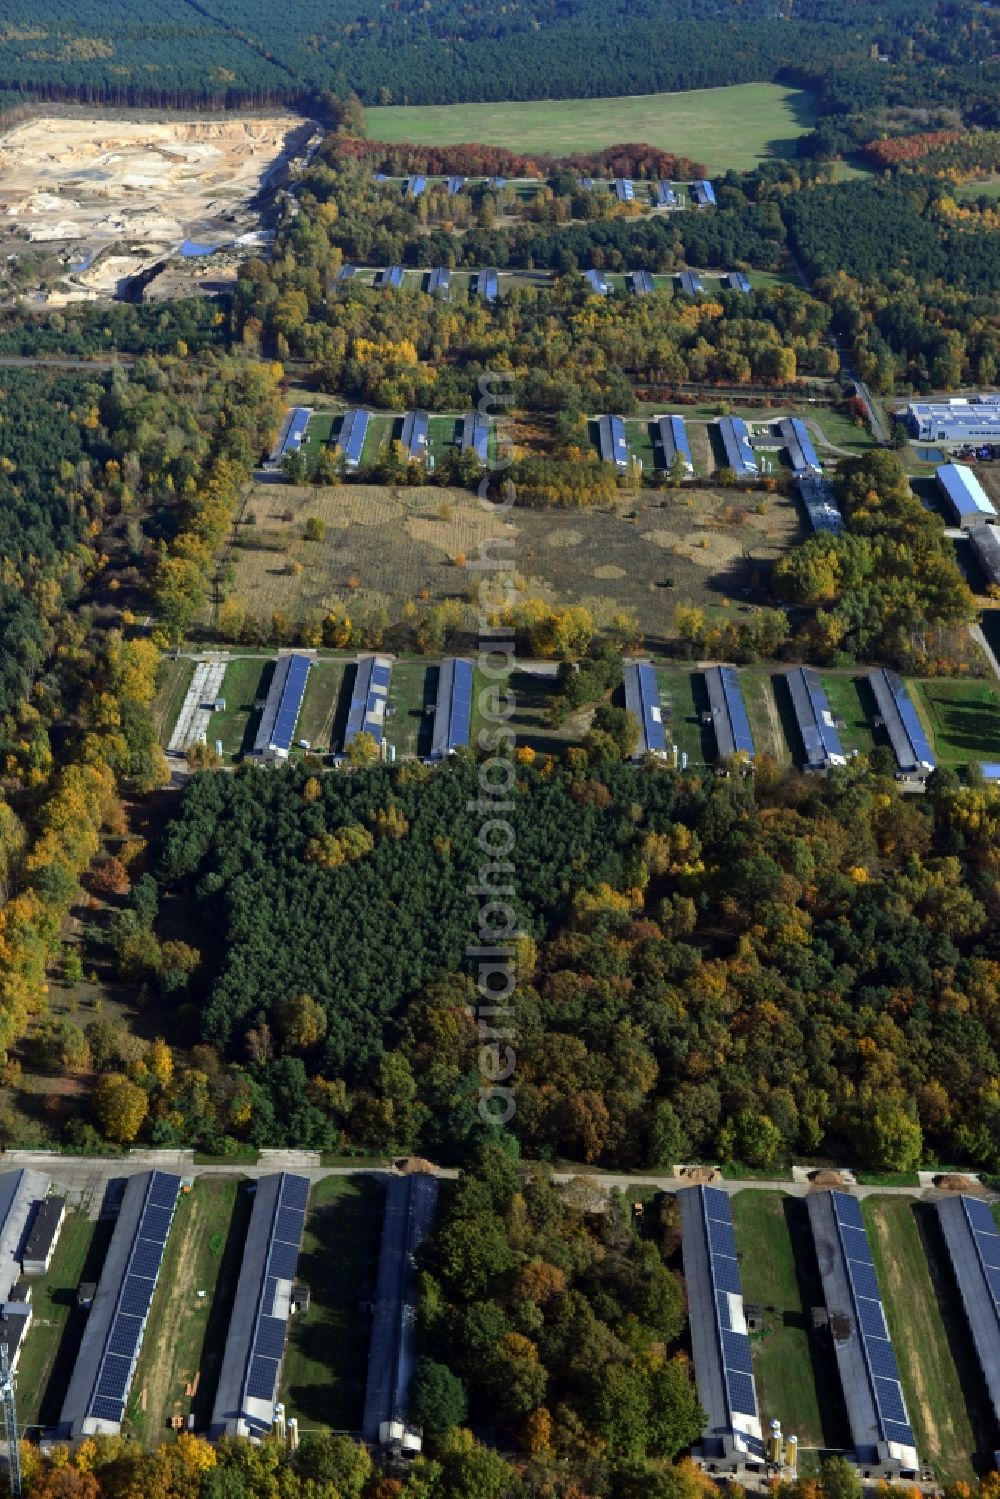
(500, 718)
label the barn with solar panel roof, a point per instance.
(720, 1343)
(869, 1375)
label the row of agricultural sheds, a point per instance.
(799, 444)
(740, 456)
(733, 1439)
(728, 713)
(452, 709)
(291, 436)
(672, 441)
(282, 706)
(972, 1237)
(30, 1221)
(817, 729)
(898, 716)
(974, 511)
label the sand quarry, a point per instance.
(119, 194)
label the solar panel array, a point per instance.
(292, 693)
(414, 186)
(735, 436)
(455, 185)
(439, 281)
(738, 281)
(986, 1237)
(612, 441)
(704, 193)
(724, 1270)
(736, 708)
(691, 283)
(476, 435)
(368, 699)
(453, 713)
(487, 284)
(642, 699)
(413, 436)
(624, 189)
(642, 281)
(296, 430)
(883, 1372)
(121, 1351)
(666, 196)
(267, 1345)
(353, 431)
(391, 276)
(820, 739)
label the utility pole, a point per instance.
(10, 1427)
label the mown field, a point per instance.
(725, 127)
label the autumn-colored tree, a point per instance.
(120, 1107)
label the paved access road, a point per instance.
(85, 1178)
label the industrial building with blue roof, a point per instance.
(247, 1392)
(691, 283)
(414, 186)
(390, 276)
(598, 282)
(666, 195)
(720, 1343)
(820, 740)
(642, 281)
(624, 189)
(972, 1237)
(352, 434)
(738, 281)
(728, 713)
(966, 497)
(414, 435)
(799, 445)
(740, 455)
(369, 699)
(642, 699)
(611, 441)
(276, 732)
(439, 281)
(292, 434)
(869, 1375)
(453, 709)
(672, 441)
(914, 756)
(475, 435)
(487, 284)
(704, 193)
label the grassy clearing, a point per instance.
(531, 692)
(836, 429)
(318, 432)
(49, 1351)
(412, 689)
(186, 1333)
(246, 680)
(988, 187)
(319, 705)
(327, 1357)
(723, 127)
(851, 700)
(683, 699)
(963, 717)
(932, 1383)
(796, 1382)
(765, 720)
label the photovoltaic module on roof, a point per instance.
(369, 698)
(642, 699)
(453, 712)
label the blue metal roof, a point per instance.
(691, 283)
(906, 733)
(735, 436)
(414, 434)
(455, 185)
(368, 699)
(624, 189)
(801, 453)
(729, 714)
(353, 431)
(820, 739)
(612, 441)
(295, 431)
(738, 281)
(476, 434)
(284, 701)
(597, 282)
(346, 272)
(439, 281)
(414, 186)
(964, 493)
(704, 192)
(869, 1322)
(666, 196)
(453, 713)
(990, 769)
(380, 177)
(487, 284)
(391, 276)
(498, 182)
(642, 699)
(673, 441)
(642, 281)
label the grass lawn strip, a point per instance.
(47, 1356)
(323, 1381)
(783, 1354)
(963, 717)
